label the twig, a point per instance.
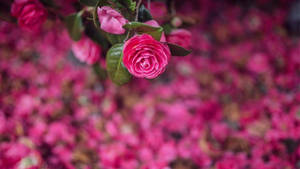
(137, 10)
(171, 7)
(149, 5)
(127, 36)
(173, 10)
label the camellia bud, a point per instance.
(110, 20)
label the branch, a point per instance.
(137, 10)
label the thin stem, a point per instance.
(137, 10)
(127, 36)
(149, 5)
(173, 10)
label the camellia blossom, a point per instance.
(86, 50)
(144, 57)
(181, 37)
(110, 20)
(30, 13)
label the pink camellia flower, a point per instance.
(144, 57)
(86, 50)
(110, 20)
(158, 10)
(155, 24)
(181, 37)
(30, 13)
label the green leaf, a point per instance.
(114, 39)
(96, 35)
(130, 4)
(115, 68)
(144, 14)
(178, 50)
(74, 25)
(89, 2)
(156, 34)
(141, 28)
(167, 28)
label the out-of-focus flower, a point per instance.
(258, 63)
(230, 162)
(11, 154)
(158, 10)
(86, 50)
(26, 105)
(181, 37)
(176, 22)
(30, 13)
(144, 57)
(111, 20)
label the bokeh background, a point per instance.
(233, 103)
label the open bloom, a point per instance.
(86, 50)
(30, 13)
(181, 37)
(110, 20)
(145, 57)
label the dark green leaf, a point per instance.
(49, 3)
(96, 35)
(156, 34)
(114, 39)
(167, 28)
(125, 7)
(144, 14)
(74, 25)
(130, 4)
(141, 28)
(178, 50)
(115, 68)
(89, 2)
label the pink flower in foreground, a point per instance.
(110, 20)
(86, 50)
(180, 37)
(145, 57)
(30, 13)
(155, 24)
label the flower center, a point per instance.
(145, 63)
